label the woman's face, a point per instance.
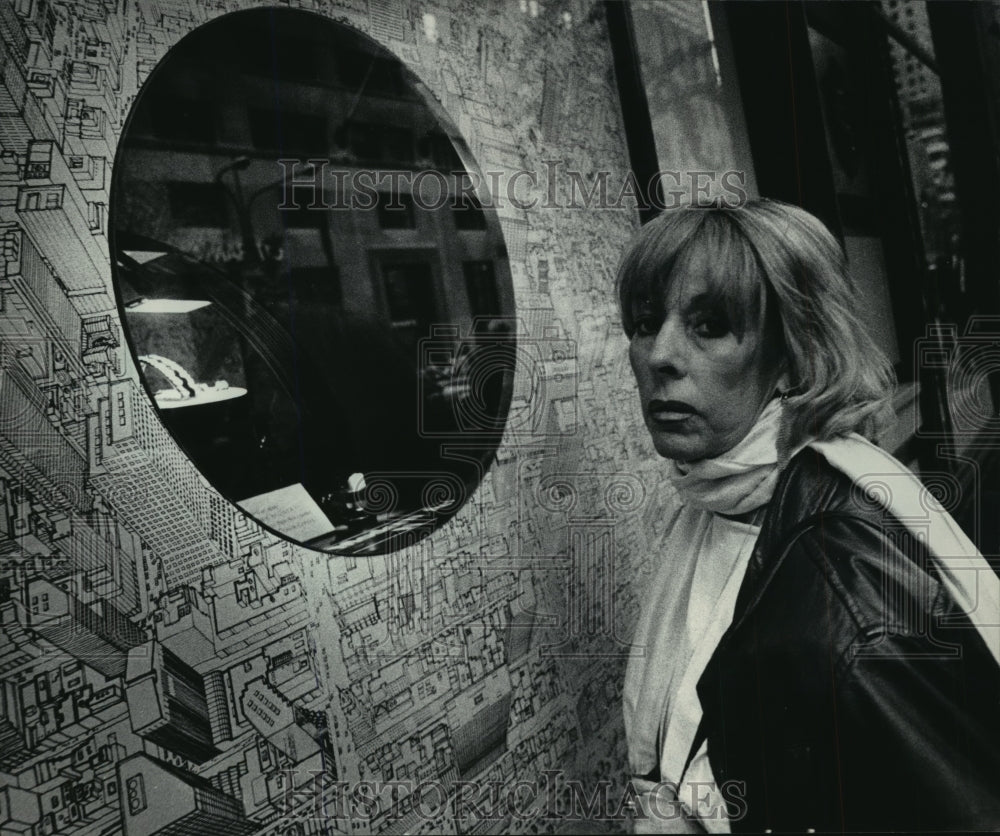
(701, 386)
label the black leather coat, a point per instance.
(850, 692)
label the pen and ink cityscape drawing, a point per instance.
(165, 663)
(168, 664)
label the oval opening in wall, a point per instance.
(319, 304)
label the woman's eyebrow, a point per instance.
(702, 301)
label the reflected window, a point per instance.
(409, 293)
(396, 211)
(468, 213)
(481, 285)
(277, 130)
(314, 349)
(921, 100)
(198, 204)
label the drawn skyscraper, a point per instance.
(168, 801)
(95, 633)
(168, 703)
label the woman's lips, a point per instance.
(670, 412)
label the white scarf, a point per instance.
(739, 480)
(690, 599)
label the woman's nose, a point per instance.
(668, 353)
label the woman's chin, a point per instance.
(681, 449)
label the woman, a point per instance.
(820, 639)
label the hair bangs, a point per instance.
(723, 261)
(700, 245)
(644, 273)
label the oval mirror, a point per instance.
(319, 303)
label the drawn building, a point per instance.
(168, 801)
(19, 812)
(95, 632)
(169, 703)
(298, 733)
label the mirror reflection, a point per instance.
(319, 304)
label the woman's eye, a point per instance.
(646, 326)
(711, 327)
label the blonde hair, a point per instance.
(776, 268)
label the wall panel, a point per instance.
(493, 651)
